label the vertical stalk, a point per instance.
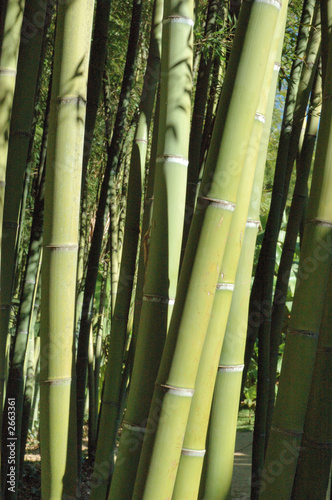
(313, 469)
(62, 201)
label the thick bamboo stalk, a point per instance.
(193, 449)
(62, 201)
(326, 16)
(222, 430)
(187, 481)
(204, 251)
(301, 342)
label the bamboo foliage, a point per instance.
(62, 196)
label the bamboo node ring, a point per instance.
(225, 286)
(159, 299)
(224, 204)
(179, 19)
(260, 117)
(303, 333)
(252, 223)
(134, 428)
(320, 222)
(172, 159)
(193, 453)
(178, 391)
(58, 381)
(275, 3)
(8, 71)
(230, 368)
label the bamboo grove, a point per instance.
(165, 225)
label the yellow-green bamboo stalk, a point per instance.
(301, 342)
(187, 481)
(204, 252)
(62, 201)
(227, 390)
(193, 450)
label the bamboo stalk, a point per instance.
(222, 430)
(8, 64)
(62, 201)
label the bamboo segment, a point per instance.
(313, 469)
(62, 201)
(205, 248)
(301, 342)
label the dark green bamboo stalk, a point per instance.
(204, 251)
(295, 216)
(8, 63)
(301, 342)
(96, 71)
(326, 16)
(313, 468)
(101, 216)
(15, 384)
